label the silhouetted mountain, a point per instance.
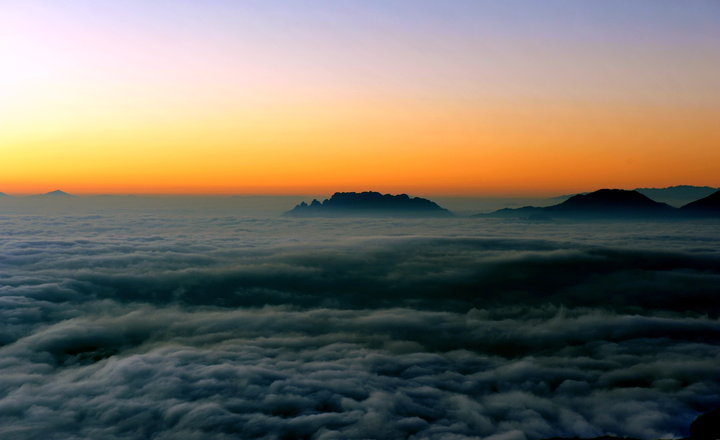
(369, 203)
(610, 201)
(57, 193)
(604, 203)
(709, 205)
(677, 195)
(673, 195)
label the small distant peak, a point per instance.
(57, 192)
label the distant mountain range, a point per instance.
(604, 203)
(615, 203)
(369, 203)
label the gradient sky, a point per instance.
(427, 97)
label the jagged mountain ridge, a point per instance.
(369, 203)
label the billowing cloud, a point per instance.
(200, 327)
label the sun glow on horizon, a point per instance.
(203, 99)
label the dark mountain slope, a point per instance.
(709, 205)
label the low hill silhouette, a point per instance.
(610, 201)
(709, 205)
(675, 196)
(604, 203)
(369, 203)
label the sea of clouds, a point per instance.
(186, 324)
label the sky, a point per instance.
(297, 97)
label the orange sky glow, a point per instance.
(96, 100)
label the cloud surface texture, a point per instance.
(159, 325)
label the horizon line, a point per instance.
(459, 194)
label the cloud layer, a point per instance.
(144, 326)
